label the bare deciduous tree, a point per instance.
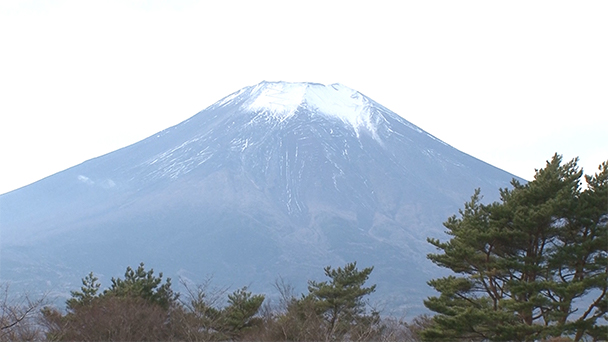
(18, 316)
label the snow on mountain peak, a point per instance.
(282, 99)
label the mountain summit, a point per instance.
(275, 180)
(284, 99)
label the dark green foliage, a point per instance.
(524, 262)
(340, 300)
(133, 309)
(142, 284)
(206, 321)
(137, 307)
(333, 310)
(242, 306)
(88, 291)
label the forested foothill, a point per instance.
(530, 267)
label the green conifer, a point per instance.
(524, 263)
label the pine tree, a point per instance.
(340, 301)
(88, 292)
(138, 307)
(525, 262)
(241, 309)
(143, 284)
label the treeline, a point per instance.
(141, 307)
(530, 267)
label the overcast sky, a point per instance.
(508, 82)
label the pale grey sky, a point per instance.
(508, 82)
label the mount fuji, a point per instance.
(275, 180)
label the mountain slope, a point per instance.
(277, 179)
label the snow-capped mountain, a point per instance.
(275, 180)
